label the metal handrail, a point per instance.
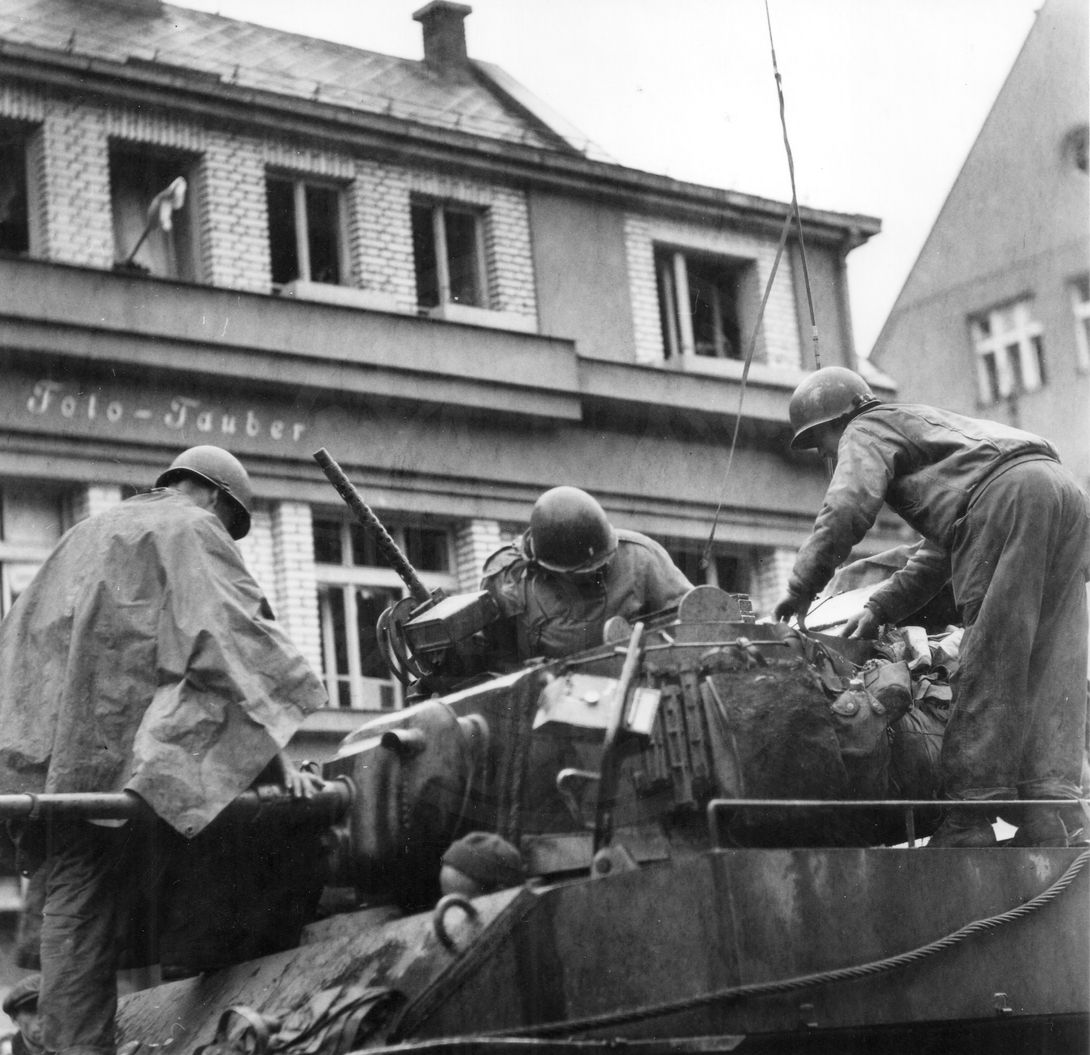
(718, 807)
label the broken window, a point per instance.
(448, 255)
(161, 242)
(1080, 309)
(700, 299)
(355, 585)
(14, 213)
(1010, 352)
(306, 220)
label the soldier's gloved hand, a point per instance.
(863, 624)
(793, 604)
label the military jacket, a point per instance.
(556, 617)
(926, 463)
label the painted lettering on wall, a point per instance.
(59, 400)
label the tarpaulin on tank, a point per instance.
(144, 656)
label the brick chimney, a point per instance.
(444, 35)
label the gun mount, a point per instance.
(419, 634)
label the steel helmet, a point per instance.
(827, 395)
(222, 469)
(569, 531)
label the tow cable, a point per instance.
(808, 981)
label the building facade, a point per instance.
(994, 318)
(405, 263)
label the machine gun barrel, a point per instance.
(367, 518)
(326, 805)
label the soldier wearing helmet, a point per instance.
(571, 570)
(1009, 528)
(213, 466)
(144, 658)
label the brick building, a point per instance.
(405, 262)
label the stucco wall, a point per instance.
(1015, 225)
(582, 275)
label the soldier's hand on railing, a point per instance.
(300, 781)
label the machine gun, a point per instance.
(419, 633)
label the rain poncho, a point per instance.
(143, 656)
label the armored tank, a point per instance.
(720, 823)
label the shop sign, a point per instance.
(69, 404)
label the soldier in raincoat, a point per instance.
(1009, 528)
(143, 657)
(571, 570)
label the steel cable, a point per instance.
(705, 557)
(807, 981)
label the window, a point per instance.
(355, 585)
(32, 519)
(1080, 308)
(1076, 147)
(448, 254)
(699, 304)
(730, 572)
(136, 177)
(14, 215)
(305, 224)
(1009, 352)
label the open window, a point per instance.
(14, 210)
(702, 303)
(448, 255)
(1009, 349)
(355, 584)
(306, 231)
(137, 175)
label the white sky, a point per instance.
(883, 97)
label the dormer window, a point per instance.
(137, 175)
(700, 303)
(448, 255)
(306, 221)
(14, 214)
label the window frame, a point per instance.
(687, 552)
(301, 226)
(20, 133)
(348, 578)
(438, 209)
(673, 266)
(22, 552)
(1008, 350)
(1079, 292)
(186, 256)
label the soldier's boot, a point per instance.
(964, 827)
(1041, 826)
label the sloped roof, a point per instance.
(245, 55)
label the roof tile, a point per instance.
(261, 58)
